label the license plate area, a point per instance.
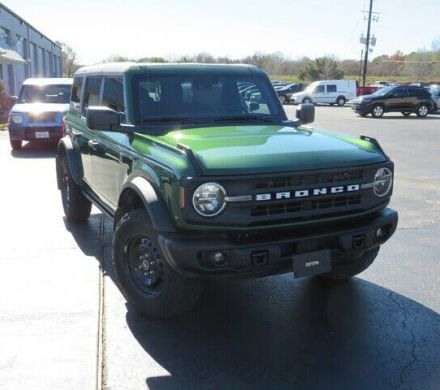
(312, 263)
(41, 134)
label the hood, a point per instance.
(255, 149)
(39, 107)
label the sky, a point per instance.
(96, 29)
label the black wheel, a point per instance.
(406, 113)
(144, 276)
(307, 100)
(15, 145)
(340, 101)
(283, 99)
(377, 111)
(422, 111)
(350, 266)
(76, 206)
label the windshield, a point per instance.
(45, 94)
(192, 97)
(311, 87)
(383, 91)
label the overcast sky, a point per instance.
(97, 29)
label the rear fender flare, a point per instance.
(65, 146)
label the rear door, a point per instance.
(397, 99)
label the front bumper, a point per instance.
(28, 133)
(272, 254)
(361, 108)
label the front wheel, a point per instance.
(422, 111)
(350, 266)
(307, 100)
(144, 276)
(377, 111)
(15, 145)
(340, 101)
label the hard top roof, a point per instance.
(48, 81)
(123, 67)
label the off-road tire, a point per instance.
(76, 206)
(377, 111)
(174, 294)
(15, 145)
(422, 111)
(348, 267)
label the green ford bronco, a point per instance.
(203, 182)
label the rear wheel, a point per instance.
(340, 101)
(422, 111)
(350, 266)
(76, 206)
(144, 276)
(406, 113)
(15, 145)
(377, 111)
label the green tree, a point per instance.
(322, 68)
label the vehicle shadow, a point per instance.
(280, 333)
(36, 150)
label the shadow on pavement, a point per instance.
(36, 150)
(280, 333)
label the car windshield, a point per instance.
(383, 91)
(45, 94)
(192, 97)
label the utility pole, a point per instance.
(367, 43)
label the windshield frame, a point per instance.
(35, 89)
(278, 114)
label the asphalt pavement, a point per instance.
(379, 331)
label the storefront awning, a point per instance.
(8, 56)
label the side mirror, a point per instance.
(103, 118)
(306, 113)
(254, 106)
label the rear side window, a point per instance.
(113, 94)
(75, 97)
(422, 93)
(331, 88)
(93, 92)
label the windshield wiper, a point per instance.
(248, 118)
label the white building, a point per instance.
(32, 53)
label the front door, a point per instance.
(318, 95)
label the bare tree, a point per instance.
(69, 59)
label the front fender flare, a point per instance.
(73, 157)
(153, 202)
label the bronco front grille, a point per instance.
(297, 206)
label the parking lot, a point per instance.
(64, 324)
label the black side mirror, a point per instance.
(254, 106)
(306, 113)
(103, 118)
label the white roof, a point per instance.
(48, 81)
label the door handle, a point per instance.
(93, 143)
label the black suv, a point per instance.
(404, 99)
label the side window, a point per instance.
(113, 94)
(331, 88)
(397, 92)
(75, 96)
(319, 89)
(93, 91)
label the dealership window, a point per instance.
(93, 92)
(75, 97)
(331, 88)
(113, 94)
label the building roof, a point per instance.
(122, 67)
(48, 81)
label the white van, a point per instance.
(327, 92)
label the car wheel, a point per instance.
(350, 266)
(307, 100)
(76, 206)
(422, 111)
(15, 145)
(406, 113)
(283, 99)
(144, 276)
(341, 101)
(377, 111)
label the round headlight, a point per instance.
(383, 180)
(209, 199)
(16, 119)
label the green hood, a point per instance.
(261, 149)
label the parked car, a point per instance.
(38, 114)
(404, 99)
(203, 184)
(285, 92)
(327, 92)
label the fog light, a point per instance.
(219, 258)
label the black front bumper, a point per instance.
(272, 254)
(362, 108)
